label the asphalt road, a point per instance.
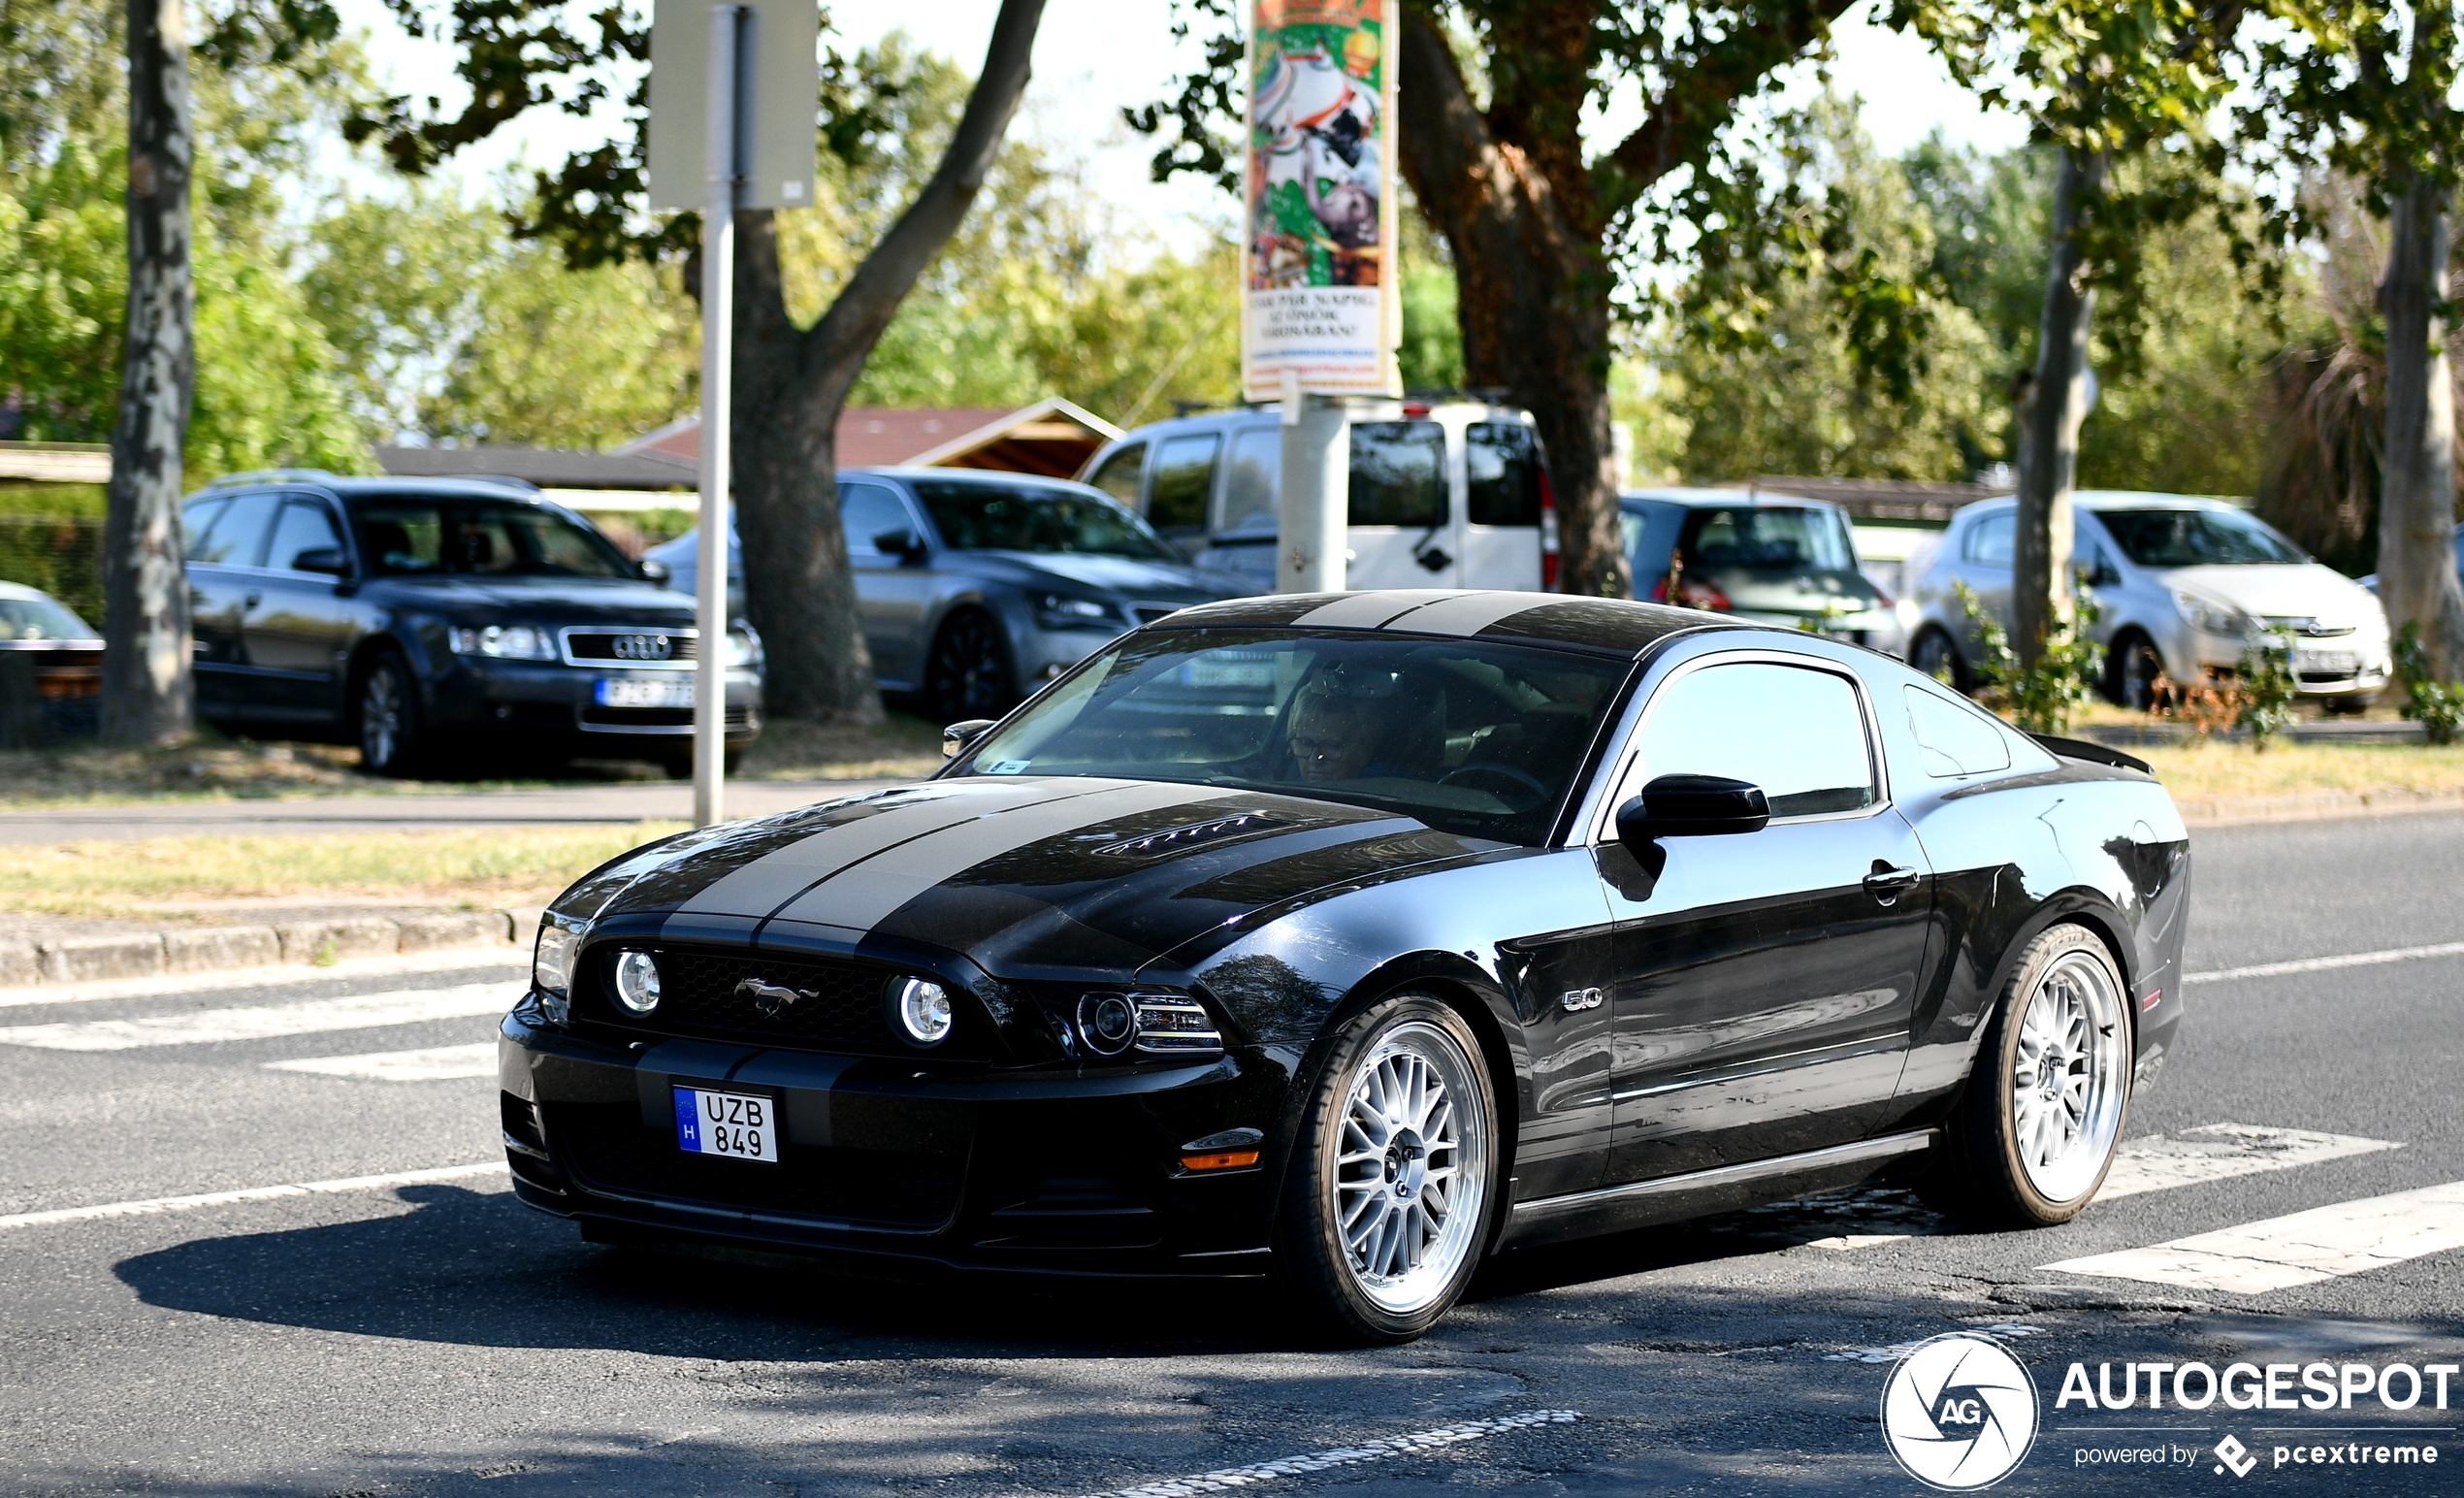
(437, 1339)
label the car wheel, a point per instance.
(392, 739)
(970, 674)
(1392, 1188)
(2037, 1125)
(1934, 655)
(2135, 672)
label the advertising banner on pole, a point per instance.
(1321, 310)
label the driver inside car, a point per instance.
(1345, 726)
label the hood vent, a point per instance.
(1172, 839)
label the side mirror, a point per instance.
(1692, 806)
(328, 560)
(654, 571)
(956, 738)
(906, 545)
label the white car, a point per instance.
(2182, 586)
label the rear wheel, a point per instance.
(392, 736)
(1937, 657)
(2037, 1125)
(968, 674)
(1392, 1188)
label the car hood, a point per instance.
(2309, 591)
(565, 600)
(1027, 878)
(1128, 576)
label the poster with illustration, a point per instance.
(1318, 273)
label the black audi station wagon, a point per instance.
(415, 617)
(1351, 939)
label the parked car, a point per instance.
(417, 617)
(1351, 940)
(1446, 494)
(1771, 559)
(2180, 585)
(979, 587)
(51, 670)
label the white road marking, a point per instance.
(261, 1022)
(289, 975)
(2277, 1253)
(2219, 1151)
(159, 1204)
(2321, 965)
(435, 1063)
(1229, 1478)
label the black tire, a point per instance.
(2133, 670)
(1984, 1173)
(386, 720)
(1418, 1197)
(1936, 655)
(968, 673)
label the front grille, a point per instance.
(841, 1006)
(646, 646)
(607, 1148)
(636, 719)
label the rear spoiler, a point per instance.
(2093, 754)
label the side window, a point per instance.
(1796, 731)
(1185, 471)
(1398, 474)
(866, 510)
(1990, 542)
(239, 537)
(196, 523)
(1501, 461)
(1253, 487)
(1955, 739)
(1118, 476)
(307, 525)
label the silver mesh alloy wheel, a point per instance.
(2070, 1078)
(1412, 1167)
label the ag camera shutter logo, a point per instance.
(1960, 1411)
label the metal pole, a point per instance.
(718, 340)
(1314, 539)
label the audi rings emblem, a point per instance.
(641, 647)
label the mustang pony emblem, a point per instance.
(769, 998)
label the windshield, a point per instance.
(1472, 737)
(1007, 517)
(2196, 538)
(41, 619)
(1763, 538)
(415, 535)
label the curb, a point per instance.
(2321, 806)
(316, 943)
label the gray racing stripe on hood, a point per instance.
(860, 896)
(1466, 613)
(1369, 611)
(764, 885)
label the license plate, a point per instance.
(737, 1124)
(2340, 663)
(640, 691)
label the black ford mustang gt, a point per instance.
(1353, 938)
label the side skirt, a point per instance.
(1702, 1193)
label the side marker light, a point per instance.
(1228, 1159)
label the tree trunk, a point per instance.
(1534, 298)
(2040, 569)
(146, 692)
(790, 385)
(2416, 506)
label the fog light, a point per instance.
(1106, 1021)
(638, 981)
(923, 1011)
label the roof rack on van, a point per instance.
(270, 475)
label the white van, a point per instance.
(1445, 494)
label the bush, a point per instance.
(2437, 705)
(2041, 698)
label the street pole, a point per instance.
(718, 319)
(1312, 535)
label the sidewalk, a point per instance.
(53, 949)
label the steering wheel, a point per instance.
(1534, 790)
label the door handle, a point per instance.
(1887, 884)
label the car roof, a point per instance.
(2117, 498)
(1619, 626)
(1724, 499)
(348, 487)
(26, 595)
(972, 477)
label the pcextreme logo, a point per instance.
(1960, 1411)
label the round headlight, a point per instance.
(1108, 1021)
(638, 981)
(923, 1011)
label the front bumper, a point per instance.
(550, 697)
(1046, 1171)
(2330, 665)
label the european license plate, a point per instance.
(644, 692)
(2341, 662)
(737, 1124)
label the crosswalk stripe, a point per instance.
(157, 1204)
(434, 1063)
(361, 1011)
(2321, 965)
(2221, 1151)
(2277, 1253)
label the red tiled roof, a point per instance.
(868, 436)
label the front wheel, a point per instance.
(392, 741)
(1388, 1203)
(968, 674)
(2136, 673)
(2041, 1116)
